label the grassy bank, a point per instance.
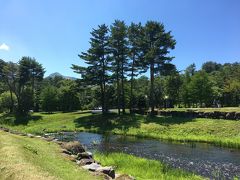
(143, 169)
(217, 131)
(30, 158)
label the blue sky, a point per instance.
(56, 31)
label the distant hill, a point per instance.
(58, 74)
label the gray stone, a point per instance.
(84, 155)
(84, 162)
(107, 170)
(92, 167)
(75, 147)
(30, 135)
(66, 152)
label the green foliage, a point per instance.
(49, 99)
(6, 101)
(119, 61)
(97, 59)
(211, 66)
(68, 96)
(128, 164)
(200, 88)
(156, 44)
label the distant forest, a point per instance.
(115, 76)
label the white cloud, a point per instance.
(4, 47)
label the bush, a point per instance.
(6, 103)
(49, 99)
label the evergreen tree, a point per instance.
(119, 65)
(135, 35)
(30, 74)
(156, 46)
(97, 59)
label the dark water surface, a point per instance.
(201, 158)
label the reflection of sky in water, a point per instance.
(202, 158)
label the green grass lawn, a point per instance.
(217, 131)
(141, 168)
(31, 158)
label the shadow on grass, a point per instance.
(168, 120)
(107, 122)
(24, 120)
(81, 112)
(12, 119)
(7, 119)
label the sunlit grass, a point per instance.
(31, 158)
(218, 131)
(141, 168)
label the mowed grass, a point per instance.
(31, 158)
(217, 131)
(141, 168)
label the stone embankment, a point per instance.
(194, 114)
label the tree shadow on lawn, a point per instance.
(81, 112)
(108, 122)
(168, 120)
(24, 120)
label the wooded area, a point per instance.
(115, 76)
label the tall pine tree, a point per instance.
(97, 59)
(135, 35)
(156, 45)
(119, 65)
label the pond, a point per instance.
(201, 158)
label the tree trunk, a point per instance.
(123, 92)
(152, 103)
(131, 92)
(118, 89)
(102, 98)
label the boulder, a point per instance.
(216, 115)
(84, 162)
(66, 152)
(237, 115)
(30, 135)
(107, 170)
(74, 147)
(230, 115)
(92, 167)
(84, 155)
(49, 138)
(5, 129)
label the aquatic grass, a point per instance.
(141, 168)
